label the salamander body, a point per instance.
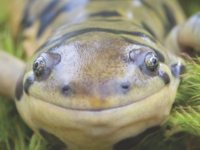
(98, 76)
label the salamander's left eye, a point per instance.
(39, 66)
(151, 61)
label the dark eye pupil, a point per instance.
(154, 60)
(36, 64)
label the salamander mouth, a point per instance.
(101, 109)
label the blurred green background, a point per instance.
(190, 6)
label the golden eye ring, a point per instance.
(151, 61)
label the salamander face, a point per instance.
(99, 81)
(102, 73)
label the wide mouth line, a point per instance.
(98, 110)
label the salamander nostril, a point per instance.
(66, 89)
(125, 86)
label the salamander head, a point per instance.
(99, 69)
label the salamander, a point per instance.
(101, 74)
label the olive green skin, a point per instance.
(80, 98)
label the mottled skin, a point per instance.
(95, 90)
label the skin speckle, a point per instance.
(131, 142)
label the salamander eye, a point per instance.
(39, 66)
(151, 61)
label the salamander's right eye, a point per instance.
(39, 66)
(44, 64)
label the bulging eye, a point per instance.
(39, 66)
(151, 61)
(44, 64)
